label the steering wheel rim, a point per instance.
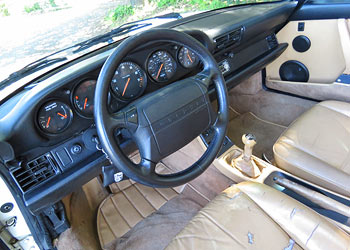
(106, 123)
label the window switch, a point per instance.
(301, 26)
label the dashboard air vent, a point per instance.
(229, 39)
(35, 172)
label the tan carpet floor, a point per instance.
(266, 132)
(157, 229)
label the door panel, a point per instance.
(326, 60)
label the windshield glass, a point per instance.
(32, 29)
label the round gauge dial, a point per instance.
(129, 81)
(187, 58)
(54, 117)
(83, 97)
(161, 66)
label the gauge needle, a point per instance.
(188, 55)
(48, 122)
(85, 102)
(126, 86)
(160, 68)
(64, 116)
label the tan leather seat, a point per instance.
(316, 146)
(254, 216)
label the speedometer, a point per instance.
(161, 66)
(129, 81)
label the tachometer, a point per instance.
(187, 58)
(129, 81)
(161, 66)
(54, 117)
(83, 97)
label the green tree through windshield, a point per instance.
(136, 10)
(32, 29)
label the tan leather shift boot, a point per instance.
(245, 163)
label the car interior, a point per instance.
(227, 129)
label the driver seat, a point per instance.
(255, 216)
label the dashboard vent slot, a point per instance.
(229, 39)
(35, 172)
(272, 41)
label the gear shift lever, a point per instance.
(245, 163)
(249, 142)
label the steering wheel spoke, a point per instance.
(207, 76)
(147, 167)
(116, 120)
(123, 119)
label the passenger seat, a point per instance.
(316, 146)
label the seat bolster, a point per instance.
(310, 168)
(340, 107)
(309, 229)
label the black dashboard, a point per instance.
(50, 122)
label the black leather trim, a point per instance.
(315, 11)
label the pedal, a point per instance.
(57, 221)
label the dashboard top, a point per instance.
(257, 20)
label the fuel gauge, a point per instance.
(187, 58)
(83, 98)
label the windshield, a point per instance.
(32, 29)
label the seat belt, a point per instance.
(314, 196)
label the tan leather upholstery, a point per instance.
(317, 146)
(254, 216)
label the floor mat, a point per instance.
(266, 133)
(156, 231)
(81, 207)
(129, 204)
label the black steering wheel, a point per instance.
(163, 121)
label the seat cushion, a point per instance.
(317, 146)
(254, 216)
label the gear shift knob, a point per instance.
(249, 142)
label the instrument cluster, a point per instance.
(128, 83)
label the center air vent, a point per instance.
(229, 39)
(35, 172)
